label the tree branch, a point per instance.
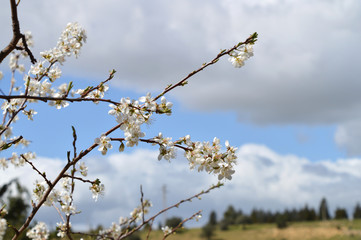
(16, 32)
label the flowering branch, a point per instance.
(218, 185)
(129, 115)
(251, 40)
(54, 183)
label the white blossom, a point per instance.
(39, 190)
(104, 143)
(166, 230)
(97, 189)
(83, 169)
(3, 226)
(39, 232)
(137, 212)
(61, 227)
(240, 55)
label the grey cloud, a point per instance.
(348, 137)
(305, 69)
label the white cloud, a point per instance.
(263, 179)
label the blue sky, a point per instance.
(295, 103)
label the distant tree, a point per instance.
(307, 214)
(223, 225)
(213, 218)
(230, 215)
(323, 212)
(341, 213)
(357, 211)
(208, 231)
(281, 221)
(173, 222)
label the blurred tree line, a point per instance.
(14, 198)
(237, 217)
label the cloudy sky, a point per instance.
(294, 109)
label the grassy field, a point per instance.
(332, 230)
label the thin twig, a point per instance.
(79, 178)
(43, 175)
(142, 202)
(90, 89)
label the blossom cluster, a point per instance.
(15, 159)
(39, 232)
(203, 156)
(97, 189)
(131, 114)
(240, 55)
(62, 196)
(62, 227)
(38, 82)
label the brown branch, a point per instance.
(151, 141)
(16, 35)
(16, 32)
(46, 99)
(27, 50)
(79, 178)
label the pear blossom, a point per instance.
(104, 143)
(166, 230)
(240, 55)
(61, 227)
(39, 190)
(30, 113)
(54, 73)
(83, 169)
(97, 189)
(39, 232)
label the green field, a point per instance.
(335, 230)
